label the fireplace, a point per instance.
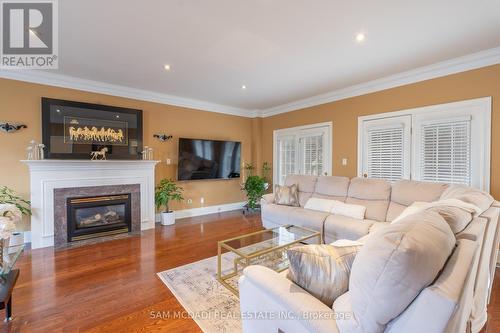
(97, 216)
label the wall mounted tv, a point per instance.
(72, 130)
(208, 159)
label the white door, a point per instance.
(302, 150)
(386, 148)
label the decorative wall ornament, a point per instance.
(147, 153)
(162, 137)
(99, 154)
(35, 151)
(11, 127)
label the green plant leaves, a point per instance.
(255, 187)
(8, 196)
(166, 191)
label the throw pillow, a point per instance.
(287, 195)
(322, 270)
(394, 265)
(471, 195)
(456, 213)
(349, 210)
(322, 205)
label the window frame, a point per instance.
(300, 131)
(479, 109)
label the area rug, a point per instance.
(211, 305)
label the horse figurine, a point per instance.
(100, 154)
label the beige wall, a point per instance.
(344, 114)
(20, 102)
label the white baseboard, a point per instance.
(180, 214)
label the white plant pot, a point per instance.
(167, 218)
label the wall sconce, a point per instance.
(162, 137)
(11, 127)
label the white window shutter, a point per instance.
(286, 157)
(445, 149)
(386, 156)
(312, 155)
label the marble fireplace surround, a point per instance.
(61, 212)
(46, 176)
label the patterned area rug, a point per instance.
(211, 305)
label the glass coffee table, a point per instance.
(267, 247)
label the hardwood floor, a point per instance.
(113, 287)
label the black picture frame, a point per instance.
(103, 113)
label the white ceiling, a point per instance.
(282, 50)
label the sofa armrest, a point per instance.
(267, 199)
(270, 302)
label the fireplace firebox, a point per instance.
(98, 216)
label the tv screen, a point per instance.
(208, 159)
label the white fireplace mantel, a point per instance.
(47, 175)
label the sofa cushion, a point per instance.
(456, 217)
(343, 227)
(278, 214)
(394, 265)
(470, 195)
(311, 219)
(322, 270)
(305, 183)
(406, 192)
(319, 204)
(349, 210)
(286, 195)
(374, 194)
(456, 213)
(375, 209)
(331, 187)
(369, 189)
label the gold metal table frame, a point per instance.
(245, 260)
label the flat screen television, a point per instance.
(208, 159)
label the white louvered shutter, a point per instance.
(312, 155)
(386, 148)
(445, 149)
(385, 153)
(286, 157)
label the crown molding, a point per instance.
(65, 81)
(461, 64)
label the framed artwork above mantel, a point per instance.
(72, 130)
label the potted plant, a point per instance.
(255, 186)
(165, 192)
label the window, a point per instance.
(302, 150)
(445, 152)
(386, 149)
(447, 143)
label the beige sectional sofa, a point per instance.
(455, 302)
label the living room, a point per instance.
(249, 167)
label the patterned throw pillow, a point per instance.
(287, 195)
(322, 270)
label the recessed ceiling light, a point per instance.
(117, 116)
(360, 37)
(243, 87)
(167, 67)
